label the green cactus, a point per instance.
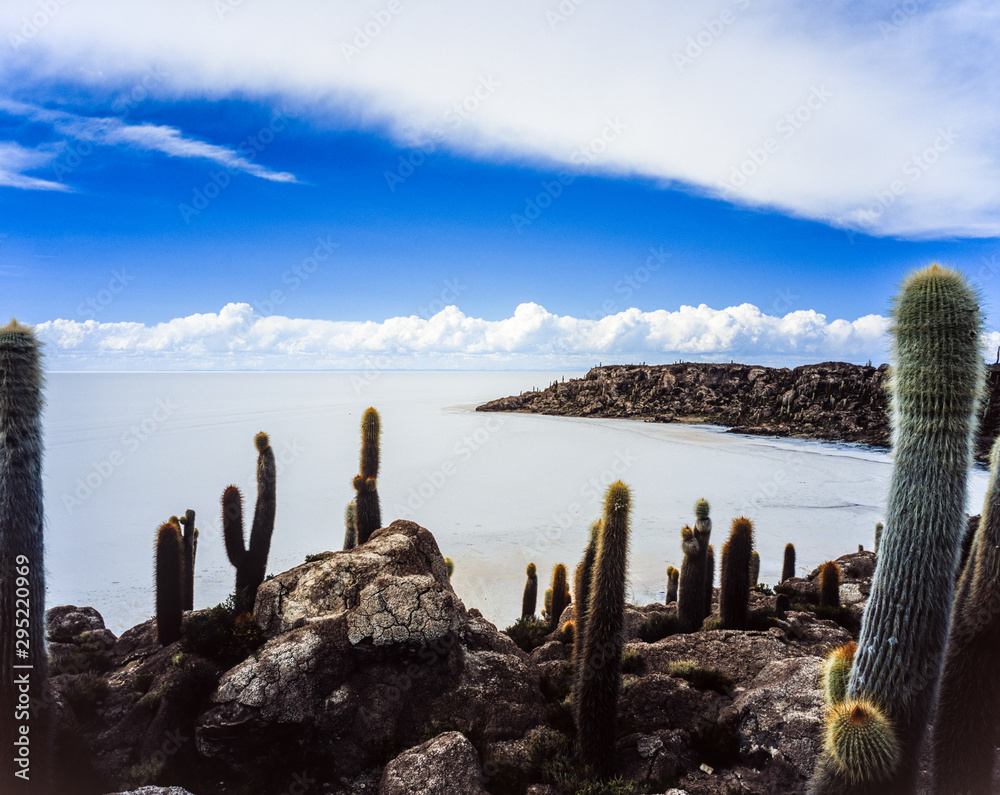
(560, 589)
(569, 633)
(788, 567)
(782, 604)
(935, 387)
(583, 575)
(829, 585)
(368, 514)
(547, 602)
(861, 750)
(449, 564)
(350, 527)
(734, 585)
(673, 580)
(251, 561)
(530, 598)
(170, 578)
(837, 672)
(190, 539)
(754, 569)
(596, 701)
(878, 535)
(691, 593)
(709, 579)
(967, 721)
(22, 554)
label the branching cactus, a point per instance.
(734, 586)
(673, 580)
(691, 596)
(350, 527)
(251, 562)
(935, 387)
(754, 569)
(22, 563)
(190, 541)
(367, 511)
(788, 567)
(596, 700)
(837, 672)
(967, 722)
(584, 573)
(829, 585)
(709, 579)
(530, 599)
(170, 579)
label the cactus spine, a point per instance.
(22, 549)
(829, 585)
(936, 383)
(367, 511)
(530, 598)
(967, 724)
(837, 672)
(559, 592)
(734, 586)
(709, 579)
(596, 701)
(170, 583)
(190, 539)
(754, 569)
(251, 562)
(673, 578)
(583, 575)
(788, 567)
(350, 528)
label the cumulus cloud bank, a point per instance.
(882, 116)
(238, 338)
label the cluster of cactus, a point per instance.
(22, 563)
(368, 514)
(691, 598)
(598, 680)
(829, 585)
(530, 599)
(673, 578)
(788, 566)
(251, 561)
(873, 738)
(734, 577)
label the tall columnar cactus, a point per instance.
(596, 700)
(829, 585)
(788, 567)
(22, 563)
(367, 511)
(734, 586)
(190, 539)
(251, 561)
(754, 569)
(350, 527)
(935, 387)
(530, 598)
(878, 535)
(709, 579)
(782, 604)
(170, 579)
(673, 579)
(583, 576)
(560, 589)
(967, 721)
(691, 596)
(837, 672)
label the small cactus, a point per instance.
(788, 567)
(691, 596)
(449, 564)
(837, 672)
(547, 609)
(569, 633)
(367, 511)
(596, 700)
(829, 585)
(734, 587)
(560, 596)
(878, 536)
(190, 539)
(709, 579)
(860, 748)
(530, 599)
(754, 569)
(251, 561)
(169, 583)
(350, 528)
(782, 604)
(673, 578)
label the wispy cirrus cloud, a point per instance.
(111, 131)
(17, 160)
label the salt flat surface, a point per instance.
(124, 451)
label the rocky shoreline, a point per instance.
(831, 401)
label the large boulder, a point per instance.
(446, 765)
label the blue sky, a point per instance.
(229, 185)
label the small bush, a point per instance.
(559, 716)
(764, 588)
(221, 635)
(615, 786)
(91, 660)
(84, 693)
(632, 662)
(711, 624)
(556, 686)
(702, 678)
(318, 556)
(551, 756)
(660, 625)
(142, 683)
(528, 633)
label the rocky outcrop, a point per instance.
(834, 401)
(446, 765)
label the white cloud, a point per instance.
(16, 159)
(238, 338)
(144, 137)
(883, 116)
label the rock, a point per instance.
(155, 791)
(446, 765)
(850, 594)
(66, 622)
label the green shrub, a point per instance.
(221, 635)
(660, 625)
(84, 693)
(528, 633)
(632, 662)
(615, 786)
(89, 660)
(702, 678)
(557, 686)
(313, 559)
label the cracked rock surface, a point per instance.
(446, 765)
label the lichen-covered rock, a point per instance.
(155, 791)
(446, 765)
(66, 622)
